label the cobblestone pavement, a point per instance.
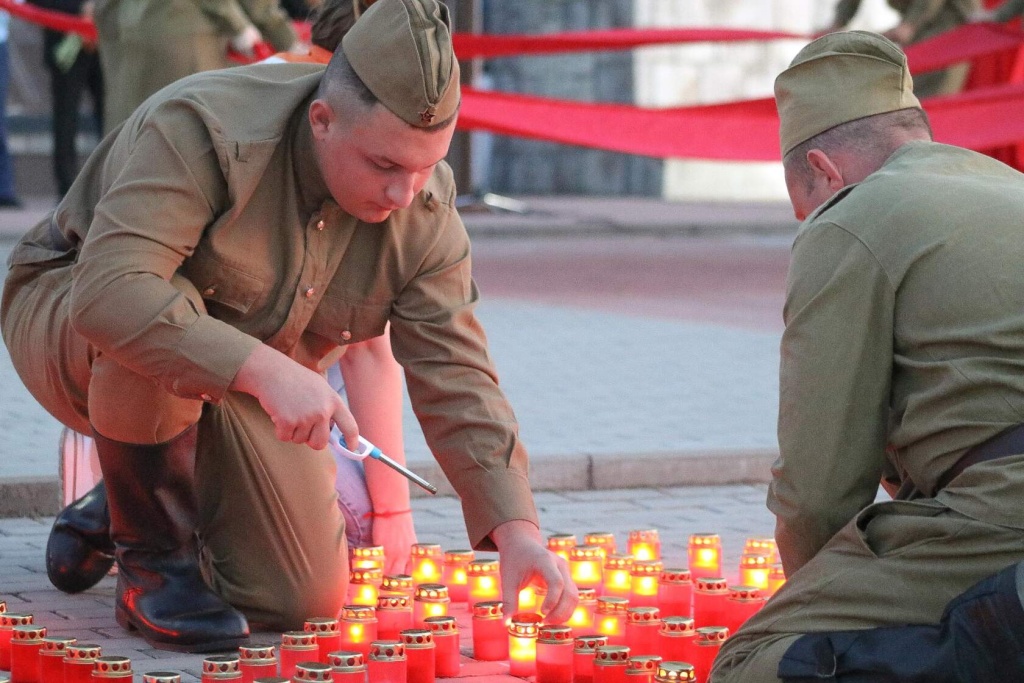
(735, 512)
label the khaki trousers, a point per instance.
(271, 532)
(897, 562)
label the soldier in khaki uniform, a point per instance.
(902, 362)
(922, 19)
(1010, 9)
(147, 44)
(210, 261)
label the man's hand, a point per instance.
(246, 40)
(901, 34)
(300, 402)
(397, 535)
(524, 560)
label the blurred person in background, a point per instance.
(8, 196)
(920, 19)
(1008, 10)
(147, 44)
(74, 67)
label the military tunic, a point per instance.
(904, 347)
(213, 181)
(1009, 10)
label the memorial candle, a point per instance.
(610, 664)
(484, 583)
(611, 619)
(762, 546)
(490, 638)
(776, 577)
(328, 635)
(426, 563)
(677, 639)
(367, 557)
(163, 677)
(394, 614)
(111, 668)
(584, 616)
(584, 648)
(641, 668)
(561, 544)
(26, 641)
(709, 642)
(529, 601)
(364, 586)
(642, 627)
(602, 539)
(705, 555)
(419, 655)
(743, 602)
(51, 659)
(617, 575)
(675, 672)
(754, 569)
(644, 544)
(554, 654)
(431, 601)
(358, 628)
(257, 661)
(8, 621)
(221, 668)
(386, 662)
(645, 577)
(454, 573)
(397, 583)
(675, 593)
(446, 645)
(709, 601)
(586, 565)
(78, 662)
(296, 646)
(312, 672)
(347, 667)
(522, 644)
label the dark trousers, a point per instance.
(67, 89)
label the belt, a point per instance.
(1005, 443)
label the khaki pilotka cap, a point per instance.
(402, 51)
(840, 78)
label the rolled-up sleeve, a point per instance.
(835, 379)
(468, 423)
(164, 186)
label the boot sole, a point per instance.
(124, 620)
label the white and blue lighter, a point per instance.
(368, 450)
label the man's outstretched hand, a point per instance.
(524, 559)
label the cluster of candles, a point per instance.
(637, 621)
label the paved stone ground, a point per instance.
(735, 512)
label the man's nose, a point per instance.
(401, 191)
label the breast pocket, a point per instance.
(229, 293)
(344, 321)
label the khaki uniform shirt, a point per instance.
(904, 337)
(1009, 10)
(928, 17)
(215, 178)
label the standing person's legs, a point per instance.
(8, 196)
(66, 91)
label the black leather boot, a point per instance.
(79, 551)
(980, 639)
(160, 590)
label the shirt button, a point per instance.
(209, 291)
(320, 225)
(310, 292)
(346, 335)
(206, 397)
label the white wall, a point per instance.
(708, 73)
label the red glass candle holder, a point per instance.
(610, 664)
(454, 573)
(358, 628)
(705, 555)
(111, 668)
(709, 642)
(762, 546)
(431, 600)
(426, 563)
(710, 597)
(554, 654)
(642, 627)
(618, 577)
(273, 679)
(754, 568)
(8, 621)
(675, 672)
(394, 614)
(51, 659)
(78, 662)
(386, 662)
(610, 619)
(677, 639)
(776, 577)
(162, 677)
(675, 593)
(347, 667)
(561, 544)
(364, 586)
(584, 616)
(644, 544)
(257, 661)
(490, 637)
(26, 641)
(602, 539)
(586, 566)
(397, 583)
(645, 578)
(220, 668)
(484, 581)
(3, 606)
(297, 646)
(522, 644)
(743, 602)
(530, 599)
(367, 557)
(312, 672)
(641, 668)
(328, 634)
(584, 648)
(420, 663)
(446, 645)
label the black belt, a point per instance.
(1005, 443)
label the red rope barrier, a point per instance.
(58, 21)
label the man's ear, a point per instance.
(321, 118)
(822, 165)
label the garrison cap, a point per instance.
(840, 78)
(402, 51)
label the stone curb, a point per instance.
(40, 496)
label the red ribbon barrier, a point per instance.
(58, 21)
